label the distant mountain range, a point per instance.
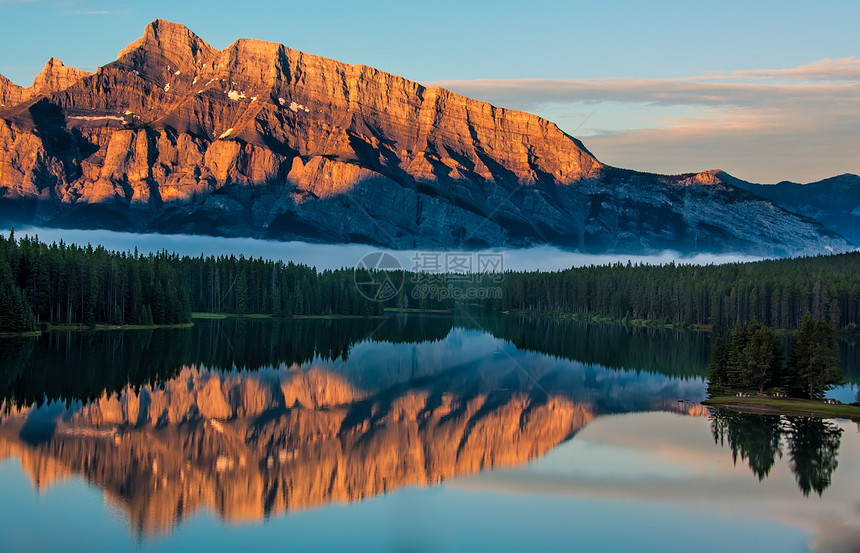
(263, 141)
(834, 202)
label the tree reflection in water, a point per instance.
(811, 444)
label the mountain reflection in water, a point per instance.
(331, 411)
(249, 419)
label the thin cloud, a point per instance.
(337, 256)
(703, 477)
(664, 92)
(843, 69)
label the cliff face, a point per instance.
(261, 140)
(10, 93)
(247, 447)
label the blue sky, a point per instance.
(598, 69)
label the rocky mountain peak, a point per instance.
(835, 201)
(165, 49)
(56, 77)
(711, 177)
(253, 63)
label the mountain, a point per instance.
(834, 202)
(260, 140)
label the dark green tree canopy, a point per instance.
(814, 366)
(751, 358)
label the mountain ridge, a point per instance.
(834, 201)
(264, 141)
(54, 77)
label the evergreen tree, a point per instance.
(736, 364)
(814, 367)
(242, 292)
(15, 313)
(762, 358)
(718, 369)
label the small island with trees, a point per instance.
(750, 371)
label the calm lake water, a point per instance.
(405, 434)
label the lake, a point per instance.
(408, 433)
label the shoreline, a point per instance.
(48, 327)
(786, 406)
(221, 316)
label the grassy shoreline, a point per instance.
(210, 315)
(843, 333)
(786, 406)
(602, 319)
(29, 333)
(417, 310)
(48, 327)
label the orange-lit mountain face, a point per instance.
(264, 141)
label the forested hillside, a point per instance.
(774, 292)
(67, 284)
(70, 284)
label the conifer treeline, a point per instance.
(774, 292)
(752, 358)
(70, 284)
(229, 284)
(63, 283)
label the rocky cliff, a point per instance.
(264, 141)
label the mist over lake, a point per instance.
(336, 256)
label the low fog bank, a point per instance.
(335, 256)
